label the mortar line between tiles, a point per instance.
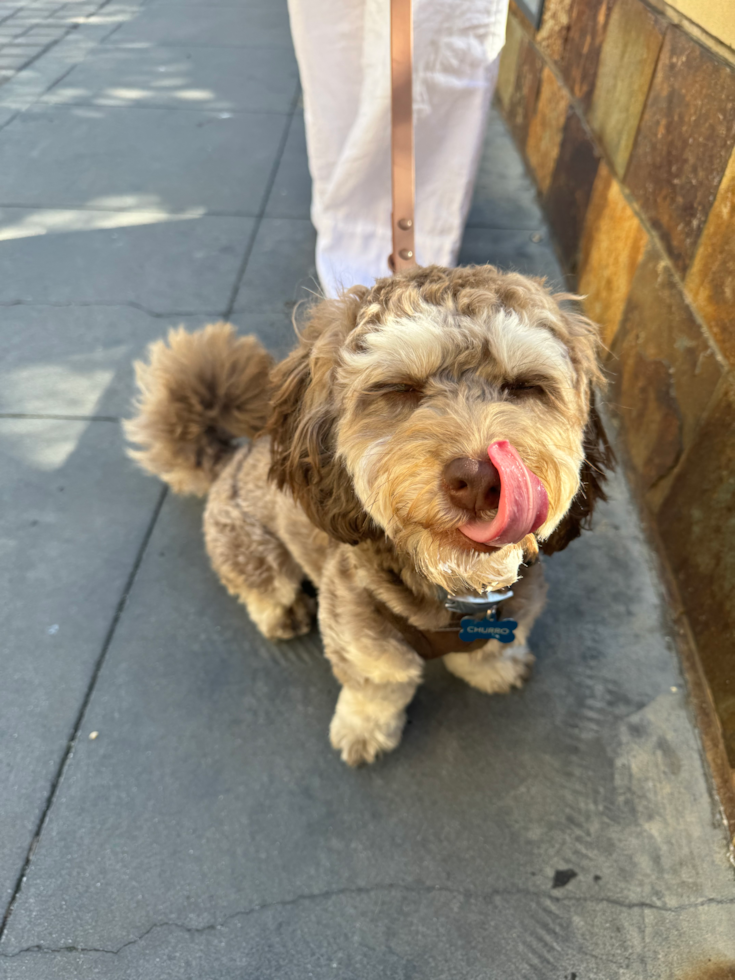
(261, 213)
(61, 768)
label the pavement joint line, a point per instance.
(220, 47)
(83, 37)
(161, 108)
(39, 54)
(61, 418)
(153, 212)
(266, 198)
(417, 888)
(48, 24)
(130, 303)
(163, 45)
(68, 752)
(114, 30)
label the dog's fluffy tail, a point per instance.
(198, 393)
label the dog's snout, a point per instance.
(472, 484)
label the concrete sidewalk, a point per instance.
(153, 172)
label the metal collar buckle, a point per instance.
(478, 606)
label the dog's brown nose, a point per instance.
(473, 484)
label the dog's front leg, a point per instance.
(369, 719)
(497, 668)
(378, 671)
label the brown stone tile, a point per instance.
(509, 62)
(697, 526)
(552, 34)
(612, 245)
(627, 62)
(652, 426)
(683, 144)
(586, 33)
(570, 188)
(523, 99)
(711, 279)
(665, 375)
(546, 128)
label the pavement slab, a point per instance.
(29, 29)
(257, 24)
(91, 156)
(505, 196)
(215, 79)
(167, 263)
(275, 330)
(545, 831)
(290, 196)
(76, 360)
(73, 516)
(530, 252)
(19, 90)
(282, 269)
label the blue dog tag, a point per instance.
(502, 630)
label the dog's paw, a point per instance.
(361, 740)
(493, 674)
(277, 623)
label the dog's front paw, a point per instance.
(493, 674)
(360, 740)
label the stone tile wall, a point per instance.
(627, 123)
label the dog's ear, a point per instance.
(599, 460)
(303, 419)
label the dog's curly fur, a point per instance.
(342, 482)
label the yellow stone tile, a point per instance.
(509, 62)
(552, 34)
(627, 62)
(612, 245)
(711, 279)
(715, 16)
(546, 129)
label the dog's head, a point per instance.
(450, 410)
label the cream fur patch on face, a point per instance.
(413, 345)
(524, 348)
(370, 463)
(508, 346)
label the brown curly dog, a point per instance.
(419, 440)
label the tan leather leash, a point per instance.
(401, 136)
(429, 644)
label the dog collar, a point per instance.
(474, 622)
(475, 605)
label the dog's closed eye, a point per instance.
(523, 388)
(413, 388)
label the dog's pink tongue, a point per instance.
(523, 505)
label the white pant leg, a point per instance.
(343, 50)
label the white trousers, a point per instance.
(343, 51)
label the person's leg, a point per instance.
(344, 57)
(328, 39)
(328, 42)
